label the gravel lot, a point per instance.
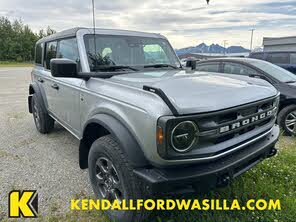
(29, 160)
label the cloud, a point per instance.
(184, 22)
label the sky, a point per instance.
(184, 22)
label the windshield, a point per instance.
(128, 51)
(275, 71)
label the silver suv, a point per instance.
(146, 126)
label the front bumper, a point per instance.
(212, 174)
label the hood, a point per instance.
(198, 92)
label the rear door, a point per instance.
(37, 72)
(47, 79)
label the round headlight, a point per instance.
(184, 136)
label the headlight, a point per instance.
(276, 102)
(184, 136)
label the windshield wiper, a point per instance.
(161, 66)
(114, 68)
(292, 81)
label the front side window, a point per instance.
(68, 49)
(213, 67)
(50, 53)
(233, 68)
(108, 50)
(278, 58)
(38, 53)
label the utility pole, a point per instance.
(224, 44)
(252, 33)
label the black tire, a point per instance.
(284, 116)
(131, 189)
(43, 122)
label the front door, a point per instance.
(64, 93)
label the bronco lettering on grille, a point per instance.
(245, 122)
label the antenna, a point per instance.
(94, 26)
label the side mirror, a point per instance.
(64, 68)
(191, 64)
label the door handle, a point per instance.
(40, 80)
(55, 86)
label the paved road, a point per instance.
(29, 160)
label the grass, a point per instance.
(15, 64)
(274, 178)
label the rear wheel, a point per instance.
(43, 122)
(287, 119)
(112, 178)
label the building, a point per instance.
(279, 44)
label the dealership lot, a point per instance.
(49, 164)
(29, 160)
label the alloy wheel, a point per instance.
(108, 180)
(291, 122)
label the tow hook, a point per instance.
(223, 181)
(272, 153)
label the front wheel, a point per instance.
(112, 178)
(287, 119)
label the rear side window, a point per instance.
(68, 49)
(208, 67)
(50, 53)
(293, 58)
(38, 53)
(233, 68)
(278, 58)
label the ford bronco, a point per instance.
(146, 126)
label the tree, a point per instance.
(17, 41)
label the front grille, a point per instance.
(221, 130)
(222, 126)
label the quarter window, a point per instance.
(213, 67)
(51, 52)
(239, 69)
(68, 49)
(38, 53)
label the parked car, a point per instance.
(145, 125)
(280, 78)
(286, 60)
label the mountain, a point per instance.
(214, 48)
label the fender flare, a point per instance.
(37, 92)
(123, 136)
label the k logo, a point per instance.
(23, 204)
